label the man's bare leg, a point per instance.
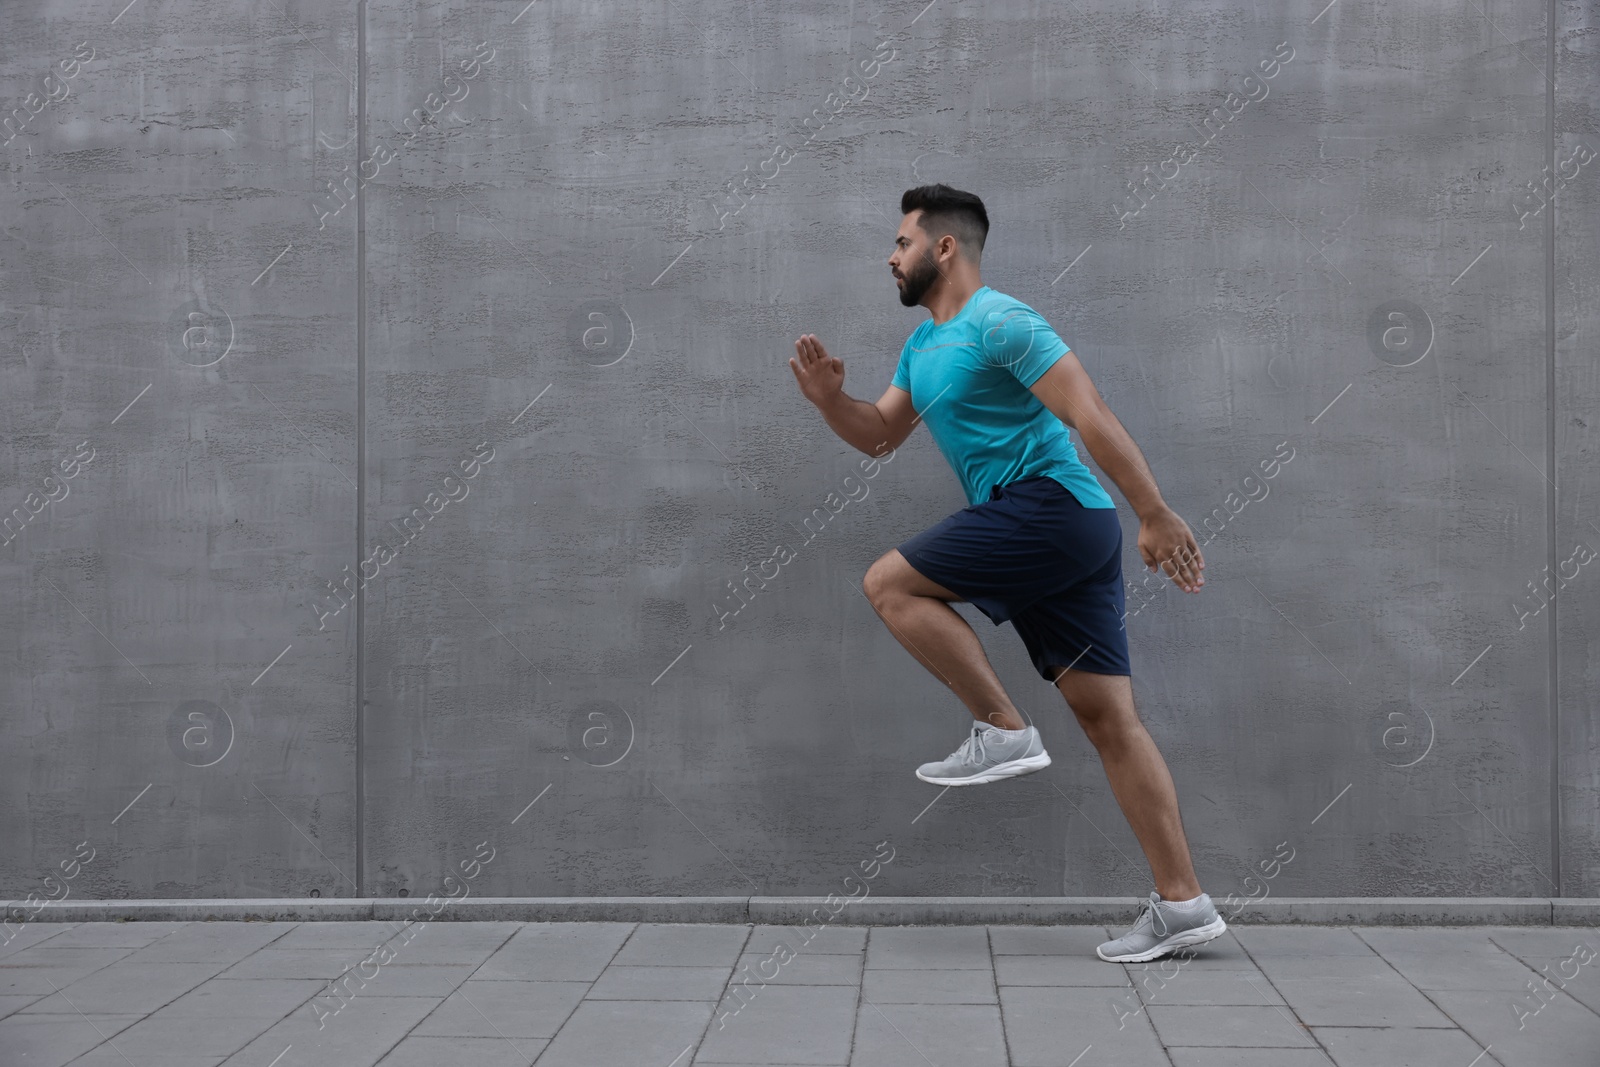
(1103, 704)
(918, 613)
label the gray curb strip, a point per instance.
(868, 911)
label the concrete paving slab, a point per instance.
(892, 986)
(1205, 987)
(126, 988)
(1563, 1032)
(1048, 1027)
(914, 1035)
(107, 1056)
(830, 968)
(274, 962)
(420, 1051)
(928, 946)
(1459, 970)
(203, 942)
(115, 935)
(1235, 1026)
(32, 933)
(43, 970)
(54, 1040)
(628, 1032)
(1251, 1057)
(826, 940)
(1059, 970)
(1300, 941)
(357, 1035)
(14, 1002)
(1046, 940)
(1398, 1047)
(1362, 1001)
(515, 1009)
(683, 945)
(783, 1024)
(556, 952)
(661, 983)
(1371, 965)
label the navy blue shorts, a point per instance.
(1033, 555)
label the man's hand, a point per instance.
(1165, 541)
(820, 375)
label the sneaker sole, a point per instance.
(1009, 769)
(1197, 936)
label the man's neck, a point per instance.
(950, 296)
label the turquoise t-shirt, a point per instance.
(969, 378)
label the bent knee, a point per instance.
(881, 580)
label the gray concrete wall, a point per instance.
(538, 267)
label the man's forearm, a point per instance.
(858, 423)
(1113, 449)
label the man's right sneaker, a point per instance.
(1161, 929)
(988, 755)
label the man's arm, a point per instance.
(1163, 536)
(869, 428)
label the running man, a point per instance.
(1040, 544)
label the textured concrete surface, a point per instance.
(591, 994)
(482, 310)
(878, 911)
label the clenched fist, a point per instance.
(820, 375)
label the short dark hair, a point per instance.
(953, 211)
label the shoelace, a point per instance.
(972, 747)
(1148, 908)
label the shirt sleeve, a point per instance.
(902, 373)
(1016, 338)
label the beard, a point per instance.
(917, 281)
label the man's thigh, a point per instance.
(892, 571)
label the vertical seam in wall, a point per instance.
(361, 440)
(1550, 454)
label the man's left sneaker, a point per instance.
(1162, 928)
(988, 755)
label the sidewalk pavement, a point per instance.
(507, 994)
